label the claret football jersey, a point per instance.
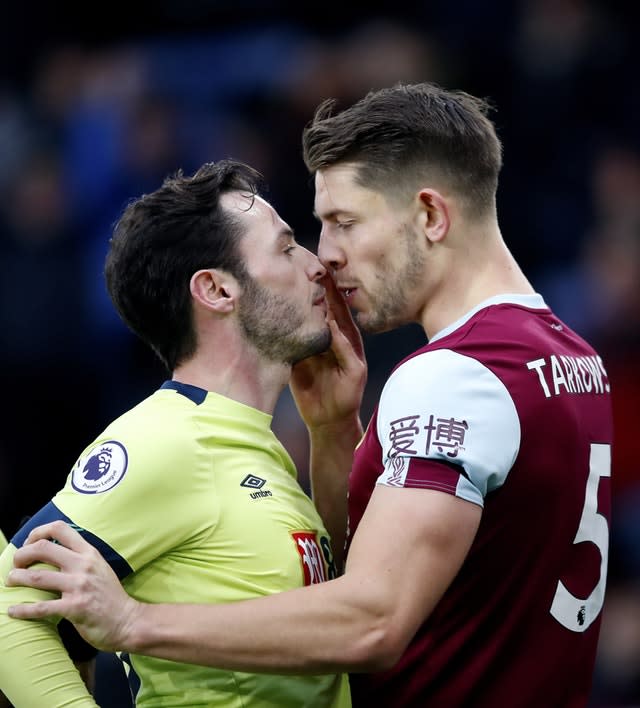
(192, 499)
(507, 408)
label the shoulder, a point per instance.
(448, 406)
(443, 373)
(132, 453)
(157, 428)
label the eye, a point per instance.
(344, 225)
(289, 247)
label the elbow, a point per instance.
(377, 648)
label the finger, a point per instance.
(37, 610)
(331, 288)
(43, 551)
(58, 531)
(41, 579)
(336, 299)
(348, 327)
(343, 350)
(340, 311)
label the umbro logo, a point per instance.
(253, 482)
(256, 483)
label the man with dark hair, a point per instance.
(478, 504)
(189, 496)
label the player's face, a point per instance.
(282, 310)
(373, 250)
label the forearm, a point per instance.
(331, 457)
(318, 629)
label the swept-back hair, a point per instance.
(404, 136)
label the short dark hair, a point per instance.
(398, 136)
(161, 240)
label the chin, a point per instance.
(315, 344)
(373, 325)
(370, 325)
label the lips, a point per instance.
(348, 292)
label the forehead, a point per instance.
(252, 210)
(261, 224)
(337, 192)
(260, 221)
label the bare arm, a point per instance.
(359, 622)
(328, 389)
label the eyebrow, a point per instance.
(286, 235)
(333, 214)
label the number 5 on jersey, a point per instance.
(576, 613)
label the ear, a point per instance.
(434, 215)
(216, 290)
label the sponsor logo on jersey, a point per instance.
(446, 435)
(313, 556)
(100, 469)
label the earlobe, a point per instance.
(214, 290)
(436, 218)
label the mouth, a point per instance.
(348, 293)
(320, 300)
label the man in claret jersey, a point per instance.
(478, 513)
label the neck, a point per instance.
(244, 378)
(483, 269)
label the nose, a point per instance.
(329, 253)
(315, 269)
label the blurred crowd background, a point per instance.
(99, 104)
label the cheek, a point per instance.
(292, 284)
(380, 244)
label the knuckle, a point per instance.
(33, 576)
(59, 526)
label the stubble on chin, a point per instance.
(311, 346)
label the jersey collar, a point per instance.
(534, 302)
